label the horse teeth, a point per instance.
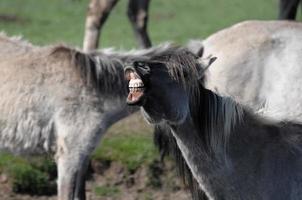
(135, 83)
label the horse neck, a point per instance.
(214, 117)
(203, 136)
(105, 74)
(108, 75)
(116, 113)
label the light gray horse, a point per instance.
(57, 99)
(259, 64)
(232, 152)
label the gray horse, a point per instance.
(59, 100)
(258, 65)
(232, 152)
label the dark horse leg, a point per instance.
(288, 9)
(98, 11)
(138, 16)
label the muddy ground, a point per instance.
(112, 181)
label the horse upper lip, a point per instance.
(134, 79)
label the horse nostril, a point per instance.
(129, 71)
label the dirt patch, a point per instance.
(113, 181)
(5, 18)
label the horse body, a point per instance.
(259, 65)
(262, 160)
(231, 152)
(50, 103)
(56, 99)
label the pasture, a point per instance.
(62, 21)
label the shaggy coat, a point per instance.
(56, 99)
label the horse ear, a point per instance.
(205, 63)
(199, 53)
(211, 60)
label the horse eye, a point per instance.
(139, 64)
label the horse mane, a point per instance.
(175, 57)
(104, 69)
(181, 64)
(14, 39)
(102, 73)
(134, 54)
(167, 145)
(214, 118)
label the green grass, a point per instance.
(128, 142)
(131, 150)
(106, 191)
(50, 21)
(34, 176)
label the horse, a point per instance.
(264, 74)
(232, 152)
(256, 75)
(98, 12)
(59, 100)
(288, 9)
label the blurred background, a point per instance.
(126, 164)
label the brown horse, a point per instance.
(98, 12)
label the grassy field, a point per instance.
(62, 21)
(51, 21)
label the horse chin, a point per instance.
(154, 119)
(138, 100)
